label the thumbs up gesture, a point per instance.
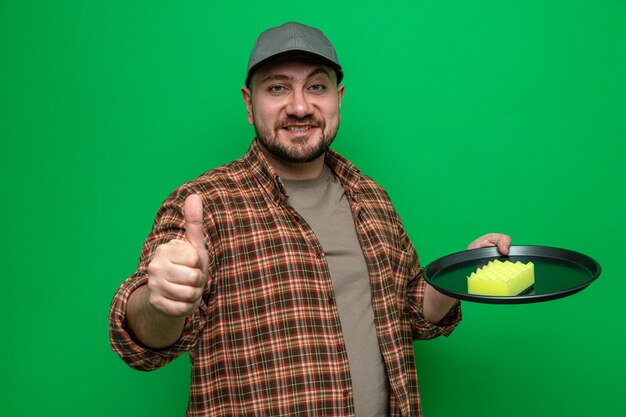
(178, 272)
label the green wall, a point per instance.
(477, 116)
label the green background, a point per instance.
(477, 116)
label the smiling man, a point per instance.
(294, 107)
(286, 274)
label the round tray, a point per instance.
(558, 273)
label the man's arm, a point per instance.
(156, 312)
(436, 304)
(150, 326)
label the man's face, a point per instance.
(294, 107)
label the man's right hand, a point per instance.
(177, 274)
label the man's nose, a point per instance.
(299, 105)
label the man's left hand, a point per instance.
(499, 240)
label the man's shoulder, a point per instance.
(350, 174)
(219, 182)
(223, 176)
(370, 185)
(372, 190)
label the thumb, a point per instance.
(194, 224)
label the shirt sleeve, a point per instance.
(168, 225)
(416, 286)
(422, 328)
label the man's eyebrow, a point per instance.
(275, 77)
(283, 77)
(319, 70)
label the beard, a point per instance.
(299, 150)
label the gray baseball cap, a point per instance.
(289, 38)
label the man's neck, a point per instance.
(294, 170)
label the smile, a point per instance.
(298, 128)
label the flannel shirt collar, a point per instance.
(349, 175)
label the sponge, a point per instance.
(501, 278)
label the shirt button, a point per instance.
(340, 348)
(319, 255)
(346, 392)
(296, 219)
(331, 300)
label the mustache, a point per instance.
(309, 120)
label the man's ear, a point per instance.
(246, 94)
(340, 91)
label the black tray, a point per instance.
(558, 273)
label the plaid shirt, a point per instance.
(267, 340)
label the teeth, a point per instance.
(298, 128)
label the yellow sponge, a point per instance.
(501, 278)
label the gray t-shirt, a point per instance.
(323, 205)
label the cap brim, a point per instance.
(302, 53)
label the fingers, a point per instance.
(503, 243)
(178, 252)
(176, 289)
(178, 271)
(481, 242)
(175, 300)
(499, 240)
(194, 222)
(178, 293)
(179, 274)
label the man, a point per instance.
(286, 274)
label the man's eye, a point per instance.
(277, 89)
(318, 88)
